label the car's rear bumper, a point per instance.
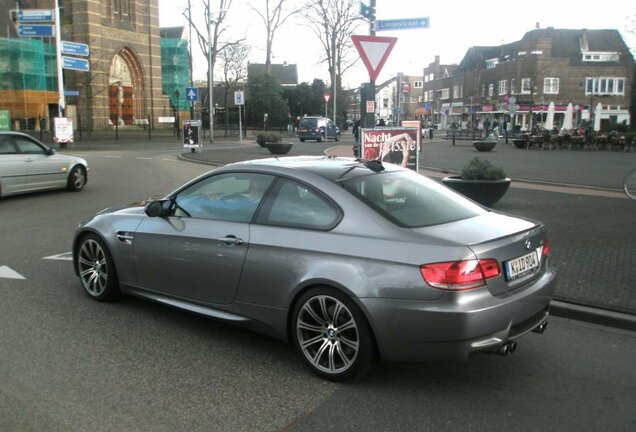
(458, 325)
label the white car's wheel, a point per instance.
(76, 178)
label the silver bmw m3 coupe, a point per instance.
(351, 260)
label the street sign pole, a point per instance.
(368, 120)
(58, 53)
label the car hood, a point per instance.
(479, 229)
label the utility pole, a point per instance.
(367, 90)
(58, 52)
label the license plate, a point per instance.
(522, 265)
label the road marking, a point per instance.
(66, 256)
(112, 157)
(170, 160)
(8, 273)
(144, 158)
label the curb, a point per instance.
(593, 315)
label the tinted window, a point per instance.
(229, 197)
(295, 205)
(309, 123)
(27, 146)
(410, 199)
(6, 146)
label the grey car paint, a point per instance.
(369, 259)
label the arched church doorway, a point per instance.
(125, 89)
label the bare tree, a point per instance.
(209, 38)
(273, 16)
(234, 64)
(333, 22)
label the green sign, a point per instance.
(5, 123)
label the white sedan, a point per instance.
(27, 165)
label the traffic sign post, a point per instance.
(402, 24)
(35, 30)
(239, 100)
(192, 94)
(77, 64)
(75, 48)
(33, 15)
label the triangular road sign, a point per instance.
(374, 51)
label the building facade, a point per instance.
(124, 84)
(515, 83)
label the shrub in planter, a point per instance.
(482, 169)
(480, 181)
(261, 139)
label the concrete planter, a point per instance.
(279, 148)
(484, 145)
(485, 192)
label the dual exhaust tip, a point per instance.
(510, 347)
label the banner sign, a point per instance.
(399, 146)
(63, 130)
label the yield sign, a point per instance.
(374, 51)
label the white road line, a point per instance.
(170, 160)
(66, 256)
(112, 157)
(144, 158)
(8, 273)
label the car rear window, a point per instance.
(309, 123)
(411, 200)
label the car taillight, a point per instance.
(460, 275)
(546, 248)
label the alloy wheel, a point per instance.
(328, 335)
(93, 267)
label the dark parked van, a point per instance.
(317, 128)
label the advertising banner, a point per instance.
(63, 130)
(191, 134)
(399, 146)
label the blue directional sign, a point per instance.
(77, 64)
(192, 94)
(35, 30)
(35, 15)
(75, 48)
(402, 24)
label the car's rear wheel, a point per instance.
(96, 269)
(76, 178)
(332, 335)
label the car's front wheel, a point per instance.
(332, 335)
(96, 269)
(76, 178)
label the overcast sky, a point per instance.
(454, 28)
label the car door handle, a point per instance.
(231, 240)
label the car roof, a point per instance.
(330, 167)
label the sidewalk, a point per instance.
(578, 195)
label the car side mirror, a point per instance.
(51, 152)
(158, 208)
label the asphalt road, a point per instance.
(71, 364)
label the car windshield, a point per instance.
(411, 200)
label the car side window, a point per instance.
(27, 146)
(229, 197)
(296, 205)
(6, 146)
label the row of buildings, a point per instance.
(139, 73)
(515, 83)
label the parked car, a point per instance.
(348, 259)
(28, 165)
(318, 128)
